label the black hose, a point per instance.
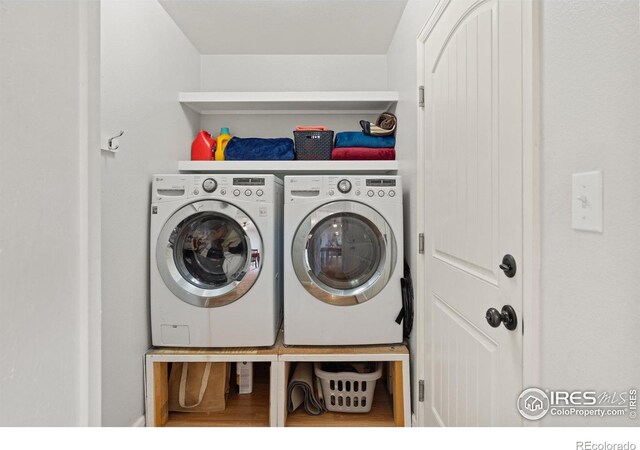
(406, 314)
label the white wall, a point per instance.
(289, 73)
(590, 120)
(294, 72)
(286, 27)
(402, 64)
(49, 264)
(278, 125)
(146, 61)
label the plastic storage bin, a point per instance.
(348, 392)
(313, 145)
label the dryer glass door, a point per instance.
(344, 253)
(208, 253)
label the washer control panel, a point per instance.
(247, 187)
(251, 187)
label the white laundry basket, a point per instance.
(349, 392)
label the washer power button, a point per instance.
(344, 186)
(209, 185)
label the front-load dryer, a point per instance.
(216, 260)
(343, 244)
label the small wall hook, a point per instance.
(110, 146)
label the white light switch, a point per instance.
(587, 201)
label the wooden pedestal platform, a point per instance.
(266, 405)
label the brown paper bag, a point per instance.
(198, 387)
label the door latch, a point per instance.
(508, 266)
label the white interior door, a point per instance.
(473, 138)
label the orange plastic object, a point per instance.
(203, 147)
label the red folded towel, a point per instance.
(363, 153)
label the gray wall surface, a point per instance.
(49, 254)
(590, 306)
(146, 61)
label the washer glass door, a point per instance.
(208, 253)
(344, 253)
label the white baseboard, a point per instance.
(140, 422)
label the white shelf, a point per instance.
(290, 167)
(360, 102)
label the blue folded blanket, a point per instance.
(257, 149)
(359, 139)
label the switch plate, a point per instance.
(586, 201)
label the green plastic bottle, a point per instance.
(222, 140)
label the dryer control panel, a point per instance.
(363, 187)
(340, 187)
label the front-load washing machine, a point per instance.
(216, 258)
(343, 260)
